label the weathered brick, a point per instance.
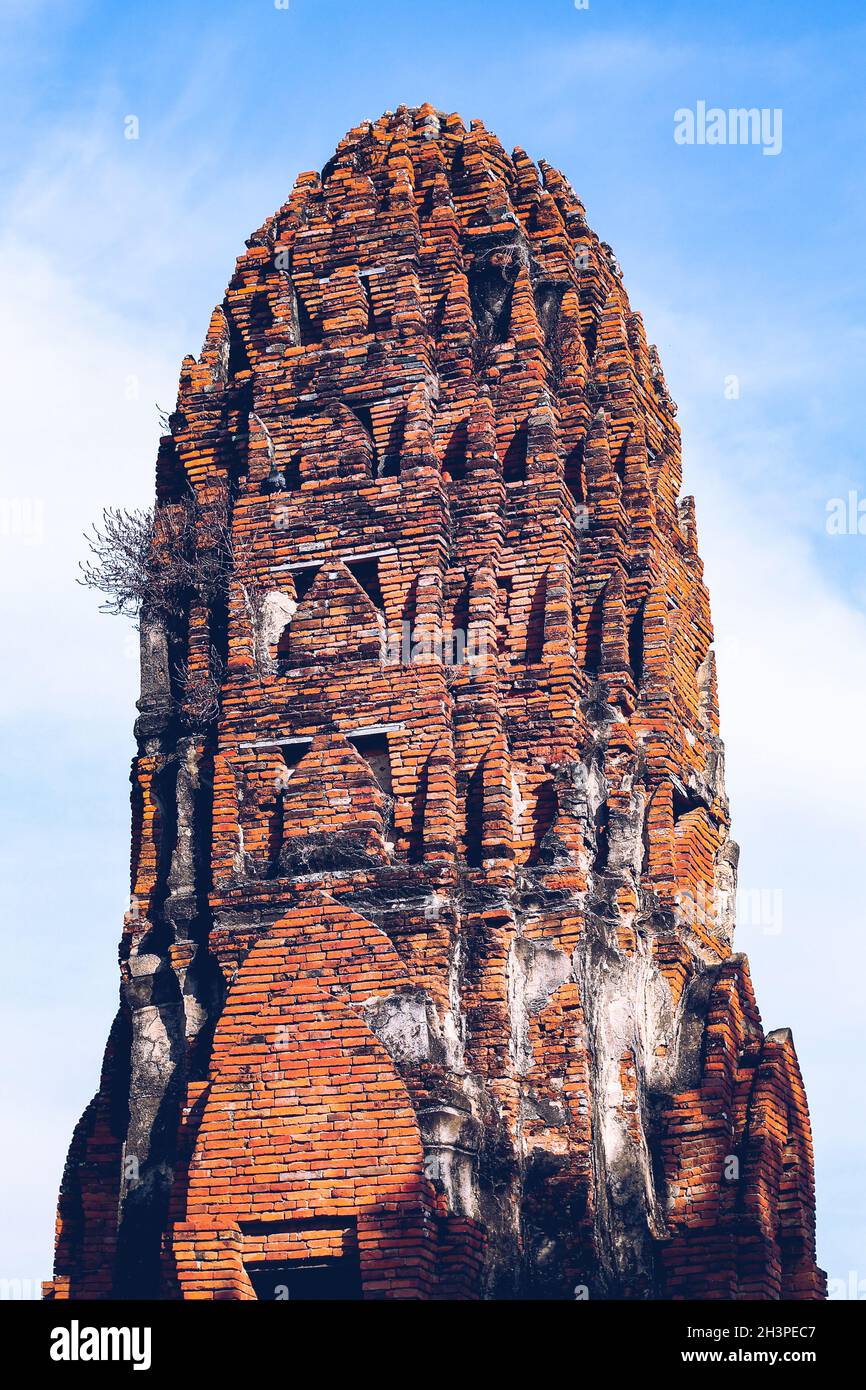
(431, 974)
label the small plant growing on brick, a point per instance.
(156, 559)
(201, 689)
(483, 352)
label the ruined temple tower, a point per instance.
(428, 987)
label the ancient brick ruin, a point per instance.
(428, 987)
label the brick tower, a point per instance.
(428, 988)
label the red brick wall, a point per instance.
(475, 891)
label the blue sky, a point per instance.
(112, 255)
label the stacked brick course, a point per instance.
(430, 992)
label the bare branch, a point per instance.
(201, 689)
(157, 559)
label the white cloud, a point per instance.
(74, 442)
